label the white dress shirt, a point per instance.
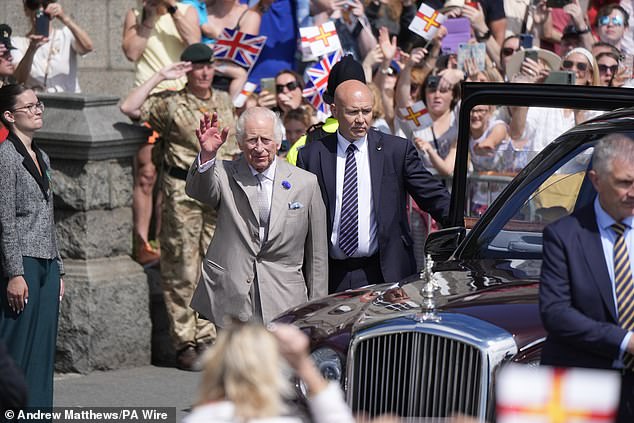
(367, 227)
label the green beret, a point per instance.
(198, 53)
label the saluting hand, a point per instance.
(175, 70)
(210, 137)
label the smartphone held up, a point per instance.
(42, 23)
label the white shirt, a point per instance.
(328, 406)
(367, 227)
(55, 61)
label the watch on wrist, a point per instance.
(171, 9)
(484, 36)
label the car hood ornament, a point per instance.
(428, 305)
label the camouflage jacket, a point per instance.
(175, 115)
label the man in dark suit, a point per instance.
(586, 291)
(365, 177)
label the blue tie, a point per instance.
(349, 220)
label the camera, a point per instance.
(432, 82)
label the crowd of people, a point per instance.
(261, 206)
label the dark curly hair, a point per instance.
(37, 4)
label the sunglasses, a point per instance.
(569, 64)
(605, 68)
(616, 20)
(293, 85)
(507, 51)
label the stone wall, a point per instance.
(104, 71)
(105, 315)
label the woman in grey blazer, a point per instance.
(30, 265)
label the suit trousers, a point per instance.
(31, 335)
(353, 273)
(626, 404)
(186, 230)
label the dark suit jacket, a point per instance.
(575, 295)
(395, 170)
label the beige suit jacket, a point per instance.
(292, 265)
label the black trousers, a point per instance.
(626, 405)
(353, 273)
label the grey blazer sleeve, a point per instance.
(204, 186)
(10, 251)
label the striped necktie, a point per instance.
(349, 220)
(624, 285)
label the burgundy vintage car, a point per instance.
(430, 345)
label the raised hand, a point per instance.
(373, 57)
(175, 70)
(293, 343)
(440, 34)
(55, 10)
(576, 13)
(449, 78)
(357, 8)
(388, 47)
(476, 17)
(210, 137)
(37, 41)
(540, 12)
(620, 77)
(416, 56)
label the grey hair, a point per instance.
(609, 148)
(252, 112)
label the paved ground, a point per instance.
(136, 387)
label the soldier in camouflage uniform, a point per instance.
(187, 225)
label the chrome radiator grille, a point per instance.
(415, 374)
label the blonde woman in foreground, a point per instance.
(244, 380)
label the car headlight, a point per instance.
(329, 364)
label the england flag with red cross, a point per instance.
(239, 47)
(426, 22)
(319, 72)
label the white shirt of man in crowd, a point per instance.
(54, 66)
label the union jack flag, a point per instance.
(319, 72)
(313, 96)
(239, 47)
